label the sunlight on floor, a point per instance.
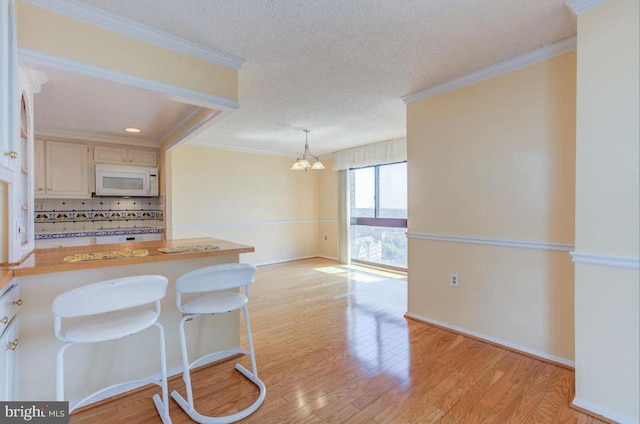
(360, 273)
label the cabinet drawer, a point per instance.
(126, 239)
(9, 304)
(64, 242)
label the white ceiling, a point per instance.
(81, 107)
(339, 67)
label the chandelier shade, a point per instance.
(302, 163)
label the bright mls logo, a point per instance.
(34, 412)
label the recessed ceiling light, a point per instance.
(132, 130)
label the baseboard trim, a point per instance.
(602, 414)
(281, 261)
(556, 360)
(331, 258)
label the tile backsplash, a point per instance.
(98, 213)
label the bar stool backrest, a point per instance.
(110, 295)
(216, 277)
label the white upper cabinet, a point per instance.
(66, 170)
(9, 136)
(38, 168)
(125, 156)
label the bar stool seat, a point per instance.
(215, 303)
(110, 326)
(109, 310)
(209, 285)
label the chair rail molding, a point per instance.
(606, 260)
(581, 6)
(522, 244)
(251, 224)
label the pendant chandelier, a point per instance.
(302, 163)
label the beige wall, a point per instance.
(607, 198)
(48, 32)
(496, 160)
(248, 198)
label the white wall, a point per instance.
(607, 211)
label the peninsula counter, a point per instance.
(44, 275)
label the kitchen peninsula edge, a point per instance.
(44, 275)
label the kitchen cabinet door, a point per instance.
(38, 165)
(125, 156)
(9, 305)
(143, 158)
(67, 170)
(110, 154)
(8, 353)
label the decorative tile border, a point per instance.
(53, 236)
(90, 216)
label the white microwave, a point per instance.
(118, 180)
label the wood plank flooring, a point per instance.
(332, 346)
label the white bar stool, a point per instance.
(109, 310)
(212, 281)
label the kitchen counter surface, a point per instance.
(43, 261)
(43, 276)
(5, 276)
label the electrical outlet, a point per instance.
(453, 280)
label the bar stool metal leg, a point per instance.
(162, 405)
(211, 284)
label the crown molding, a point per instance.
(580, 6)
(196, 122)
(65, 134)
(33, 78)
(96, 16)
(521, 244)
(606, 260)
(242, 149)
(178, 93)
(512, 64)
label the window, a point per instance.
(378, 210)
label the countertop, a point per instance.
(43, 261)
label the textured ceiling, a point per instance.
(339, 67)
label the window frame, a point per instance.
(376, 221)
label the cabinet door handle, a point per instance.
(4, 320)
(18, 302)
(12, 154)
(39, 189)
(12, 345)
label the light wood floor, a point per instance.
(332, 346)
